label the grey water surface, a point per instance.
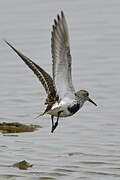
(85, 146)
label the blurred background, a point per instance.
(86, 145)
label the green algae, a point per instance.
(17, 127)
(23, 165)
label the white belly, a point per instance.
(63, 107)
(64, 112)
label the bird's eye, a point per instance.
(87, 94)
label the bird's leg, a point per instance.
(56, 123)
(52, 117)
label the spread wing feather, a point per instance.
(43, 76)
(61, 58)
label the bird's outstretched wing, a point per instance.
(61, 58)
(43, 76)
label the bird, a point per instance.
(62, 99)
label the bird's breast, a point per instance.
(73, 109)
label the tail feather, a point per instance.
(39, 115)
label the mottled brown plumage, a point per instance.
(61, 101)
(43, 76)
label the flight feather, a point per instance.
(61, 58)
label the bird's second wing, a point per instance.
(43, 76)
(61, 58)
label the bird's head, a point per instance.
(83, 96)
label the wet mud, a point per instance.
(17, 127)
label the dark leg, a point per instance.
(56, 123)
(52, 117)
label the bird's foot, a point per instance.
(54, 127)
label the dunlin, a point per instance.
(62, 100)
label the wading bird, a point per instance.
(62, 100)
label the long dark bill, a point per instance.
(92, 102)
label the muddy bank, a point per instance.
(17, 127)
(24, 165)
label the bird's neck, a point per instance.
(80, 101)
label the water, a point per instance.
(87, 145)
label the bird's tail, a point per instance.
(45, 112)
(39, 115)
